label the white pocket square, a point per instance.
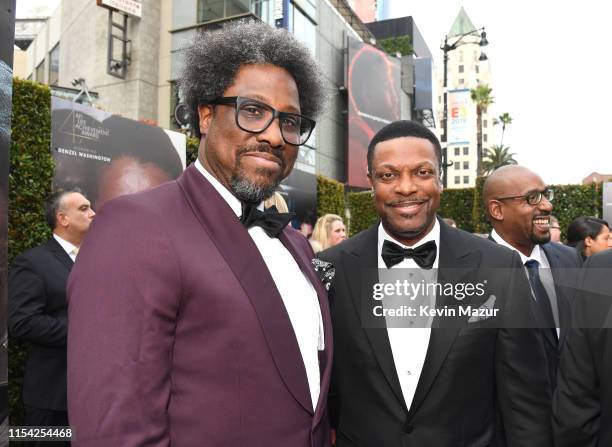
(485, 311)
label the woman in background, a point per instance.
(328, 231)
(589, 235)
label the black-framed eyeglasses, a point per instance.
(255, 117)
(533, 197)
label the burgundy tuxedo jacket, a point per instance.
(177, 334)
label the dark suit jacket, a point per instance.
(178, 335)
(468, 370)
(37, 315)
(565, 264)
(582, 405)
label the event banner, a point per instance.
(373, 81)
(460, 116)
(107, 155)
(7, 36)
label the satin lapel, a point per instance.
(325, 359)
(563, 304)
(456, 261)
(361, 272)
(244, 259)
(54, 247)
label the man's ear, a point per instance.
(370, 180)
(61, 219)
(205, 114)
(495, 209)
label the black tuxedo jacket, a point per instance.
(565, 264)
(469, 371)
(38, 316)
(582, 404)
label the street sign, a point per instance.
(130, 7)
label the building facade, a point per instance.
(464, 72)
(74, 43)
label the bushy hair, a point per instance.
(213, 61)
(399, 129)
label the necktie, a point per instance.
(544, 306)
(424, 255)
(270, 219)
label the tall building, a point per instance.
(464, 72)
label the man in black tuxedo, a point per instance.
(38, 309)
(519, 207)
(437, 385)
(582, 405)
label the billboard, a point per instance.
(107, 155)
(7, 34)
(373, 81)
(460, 116)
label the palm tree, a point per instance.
(504, 119)
(496, 157)
(481, 95)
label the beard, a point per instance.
(539, 240)
(250, 191)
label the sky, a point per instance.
(550, 63)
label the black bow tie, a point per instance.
(270, 219)
(424, 255)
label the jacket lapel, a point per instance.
(361, 274)
(243, 258)
(563, 304)
(456, 260)
(54, 247)
(325, 358)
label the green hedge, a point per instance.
(454, 203)
(480, 223)
(363, 214)
(572, 201)
(330, 197)
(31, 172)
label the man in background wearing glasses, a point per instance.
(196, 317)
(519, 207)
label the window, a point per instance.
(457, 151)
(40, 72)
(457, 165)
(304, 29)
(54, 65)
(460, 68)
(174, 101)
(484, 138)
(466, 179)
(477, 69)
(217, 9)
(466, 151)
(457, 180)
(461, 81)
(466, 165)
(484, 123)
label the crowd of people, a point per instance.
(192, 314)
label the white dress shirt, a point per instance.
(546, 277)
(69, 248)
(409, 345)
(298, 294)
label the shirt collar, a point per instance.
(229, 198)
(536, 254)
(67, 246)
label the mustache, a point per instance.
(264, 148)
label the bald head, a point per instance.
(520, 223)
(505, 181)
